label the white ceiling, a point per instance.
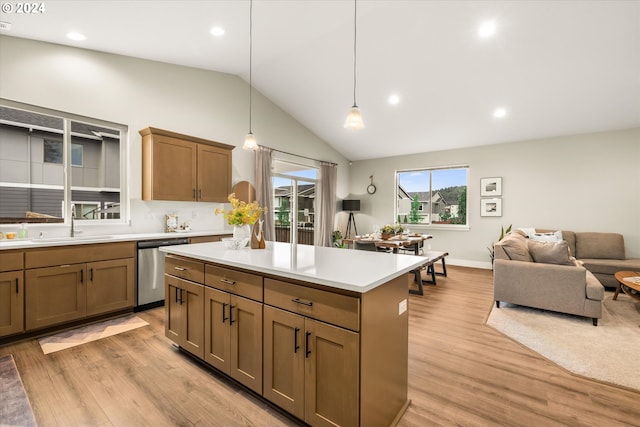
(558, 67)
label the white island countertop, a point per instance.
(347, 269)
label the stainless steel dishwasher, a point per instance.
(150, 292)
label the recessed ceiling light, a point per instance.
(394, 99)
(73, 35)
(499, 113)
(487, 29)
(217, 31)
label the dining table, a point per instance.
(404, 241)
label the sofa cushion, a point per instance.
(515, 246)
(568, 236)
(611, 266)
(555, 236)
(550, 252)
(599, 245)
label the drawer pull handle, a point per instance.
(180, 268)
(82, 276)
(17, 290)
(224, 318)
(307, 352)
(228, 282)
(299, 301)
(91, 274)
(295, 340)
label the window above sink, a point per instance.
(53, 162)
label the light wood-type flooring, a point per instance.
(461, 372)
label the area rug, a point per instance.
(85, 334)
(15, 409)
(607, 352)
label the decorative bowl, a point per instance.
(233, 243)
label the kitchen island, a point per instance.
(320, 332)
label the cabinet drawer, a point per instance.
(236, 282)
(10, 260)
(184, 268)
(340, 310)
(74, 254)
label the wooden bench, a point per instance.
(432, 258)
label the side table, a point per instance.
(630, 288)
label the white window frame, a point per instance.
(430, 225)
(125, 214)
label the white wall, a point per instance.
(140, 93)
(580, 182)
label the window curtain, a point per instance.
(327, 209)
(264, 189)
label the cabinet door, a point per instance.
(55, 295)
(331, 375)
(174, 169)
(11, 303)
(111, 285)
(214, 173)
(216, 329)
(173, 309)
(184, 321)
(284, 360)
(245, 322)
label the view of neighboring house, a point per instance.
(32, 173)
(441, 209)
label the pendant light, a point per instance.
(250, 140)
(354, 118)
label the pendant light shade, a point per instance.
(354, 118)
(250, 140)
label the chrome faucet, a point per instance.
(73, 216)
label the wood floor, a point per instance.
(461, 372)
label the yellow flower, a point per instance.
(241, 213)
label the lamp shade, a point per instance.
(351, 205)
(354, 119)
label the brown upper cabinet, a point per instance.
(184, 168)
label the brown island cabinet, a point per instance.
(330, 348)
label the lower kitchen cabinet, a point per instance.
(70, 292)
(311, 368)
(11, 303)
(233, 336)
(184, 314)
(111, 285)
(55, 295)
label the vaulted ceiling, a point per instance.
(555, 67)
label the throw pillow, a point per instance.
(547, 237)
(515, 246)
(550, 252)
(528, 231)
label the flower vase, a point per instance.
(242, 233)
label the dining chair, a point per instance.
(365, 246)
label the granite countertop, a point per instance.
(83, 239)
(347, 269)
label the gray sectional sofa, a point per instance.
(566, 275)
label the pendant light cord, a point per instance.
(250, 60)
(355, 36)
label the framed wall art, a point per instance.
(490, 187)
(490, 207)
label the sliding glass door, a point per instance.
(294, 204)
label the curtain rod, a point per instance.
(297, 155)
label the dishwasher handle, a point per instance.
(150, 244)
